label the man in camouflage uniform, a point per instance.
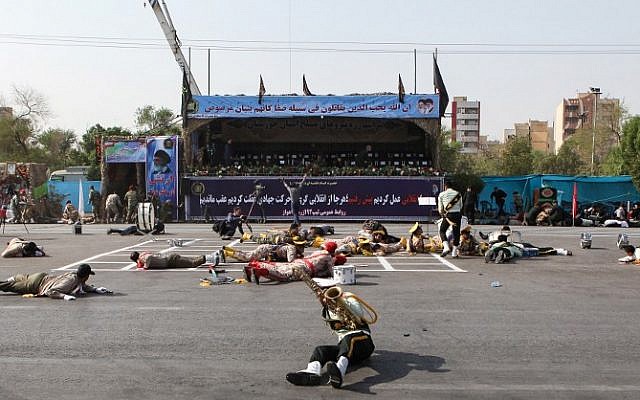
(148, 260)
(66, 286)
(319, 264)
(267, 252)
(112, 207)
(131, 200)
(94, 200)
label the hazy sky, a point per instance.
(86, 84)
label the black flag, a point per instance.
(305, 88)
(400, 90)
(438, 83)
(261, 91)
(186, 97)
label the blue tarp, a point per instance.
(70, 191)
(605, 189)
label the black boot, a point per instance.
(303, 378)
(335, 376)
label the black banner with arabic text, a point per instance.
(332, 198)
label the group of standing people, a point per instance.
(115, 208)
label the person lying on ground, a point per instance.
(18, 247)
(494, 236)
(318, 264)
(469, 245)
(632, 255)
(148, 260)
(66, 286)
(504, 250)
(371, 225)
(158, 229)
(266, 252)
(354, 346)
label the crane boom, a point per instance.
(162, 14)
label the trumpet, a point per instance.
(349, 308)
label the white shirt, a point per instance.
(444, 198)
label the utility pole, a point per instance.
(596, 92)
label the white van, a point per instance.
(71, 174)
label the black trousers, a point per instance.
(357, 347)
(456, 218)
(229, 228)
(469, 211)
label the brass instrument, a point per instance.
(349, 308)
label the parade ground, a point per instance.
(557, 327)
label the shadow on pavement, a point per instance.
(393, 365)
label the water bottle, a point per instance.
(214, 276)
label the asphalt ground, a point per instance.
(559, 327)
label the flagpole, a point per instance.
(415, 71)
(435, 57)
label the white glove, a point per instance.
(68, 297)
(103, 290)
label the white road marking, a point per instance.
(447, 263)
(385, 264)
(18, 307)
(134, 265)
(86, 260)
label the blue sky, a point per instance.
(88, 85)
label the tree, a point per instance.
(568, 162)
(58, 144)
(614, 162)
(18, 131)
(86, 154)
(517, 157)
(630, 148)
(152, 121)
(447, 157)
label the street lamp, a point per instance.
(596, 92)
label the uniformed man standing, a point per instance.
(449, 207)
(131, 201)
(95, 200)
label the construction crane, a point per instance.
(162, 14)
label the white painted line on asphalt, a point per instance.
(86, 260)
(447, 263)
(110, 262)
(364, 270)
(18, 307)
(502, 387)
(159, 308)
(385, 263)
(416, 263)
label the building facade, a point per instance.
(578, 113)
(539, 133)
(465, 124)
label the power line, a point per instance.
(345, 42)
(457, 48)
(247, 49)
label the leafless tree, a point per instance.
(31, 110)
